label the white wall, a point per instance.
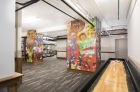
(108, 44)
(7, 37)
(134, 34)
(24, 33)
(61, 46)
(61, 54)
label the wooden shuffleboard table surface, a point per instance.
(113, 78)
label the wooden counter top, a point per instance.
(11, 82)
(16, 75)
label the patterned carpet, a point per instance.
(50, 76)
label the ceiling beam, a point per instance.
(77, 12)
(58, 9)
(27, 4)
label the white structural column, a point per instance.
(18, 33)
(7, 34)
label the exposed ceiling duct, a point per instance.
(114, 32)
(49, 40)
(62, 37)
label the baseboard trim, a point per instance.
(134, 62)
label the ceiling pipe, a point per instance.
(118, 29)
(104, 35)
(128, 8)
(102, 14)
(30, 3)
(115, 34)
(118, 34)
(119, 25)
(58, 9)
(118, 9)
(104, 17)
(77, 12)
(132, 11)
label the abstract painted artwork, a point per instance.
(83, 45)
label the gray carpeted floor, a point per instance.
(50, 76)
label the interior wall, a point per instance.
(61, 48)
(108, 45)
(24, 33)
(61, 45)
(7, 38)
(134, 34)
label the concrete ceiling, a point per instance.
(49, 21)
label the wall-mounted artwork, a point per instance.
(34, 47)
(83, 45)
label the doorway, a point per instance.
(121, 48)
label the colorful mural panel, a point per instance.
(34, 47)
(82, 44)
